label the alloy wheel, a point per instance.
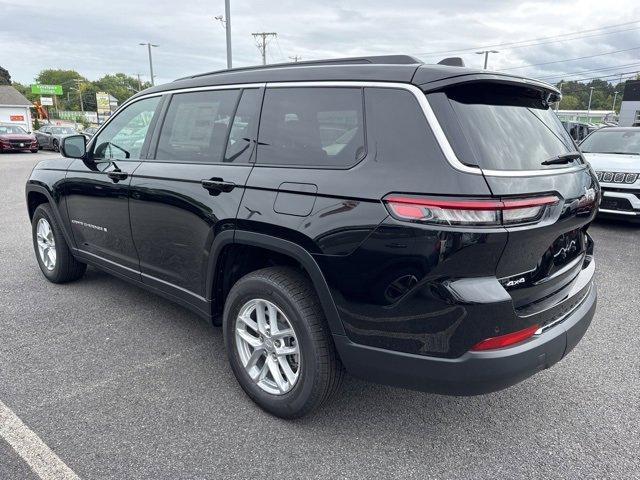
(46, 244)
(267, 346)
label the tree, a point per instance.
(5, 77)
(569, 102)
(69, 80)
(119, 85)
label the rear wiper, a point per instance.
(564, 158)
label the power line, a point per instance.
(509, 44)
(617, 67)
(602, 77)
(569, 59)
(570, 39)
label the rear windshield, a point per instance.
(613, 141)
(509, 128)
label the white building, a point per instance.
(630, 108)
(14, 107)
(593, 116)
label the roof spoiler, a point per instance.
(452, 62)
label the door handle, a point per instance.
(117, 176)
(217, 186)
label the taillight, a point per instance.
(510, 211)
(506, 340)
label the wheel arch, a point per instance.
(38, 195)
(220, 278)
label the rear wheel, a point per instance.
(56, 146)
(54, 257)
(278, 343)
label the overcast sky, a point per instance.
(98, 37)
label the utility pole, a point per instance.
(486, 56)
(615, 97)
(589, 107)
(558, 103)
(139, 81)
(261, 41)
(79, 84)
(149, 45)
(296, 58)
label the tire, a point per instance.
(64, 268)
(56, 147)
(319, 371)
(35, 150)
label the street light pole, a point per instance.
(486, 56)
(149, 45)
(615, 97)
(227, 27)
(589, 107)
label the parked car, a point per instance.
(579, 130)
(423, 226)
(15, 138)
(614, 153)
(89, 132)
(50, 136)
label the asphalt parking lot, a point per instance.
(123, 384)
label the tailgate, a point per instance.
(541, 259)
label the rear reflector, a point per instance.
(469, 212)
(505, 340)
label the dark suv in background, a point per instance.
(423, 226)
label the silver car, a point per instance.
(614, 153)
(50, 136)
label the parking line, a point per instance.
(40, 458)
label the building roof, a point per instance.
(11, 96)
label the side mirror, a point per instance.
(74, 146)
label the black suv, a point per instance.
(423, 226)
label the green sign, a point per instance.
(46, 89)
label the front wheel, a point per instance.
(278, 342)
(55, 259)
(56, 146)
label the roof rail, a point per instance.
(376, 59)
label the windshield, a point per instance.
(5, 129)
(63, 131)
(613, 141)
(510, 128)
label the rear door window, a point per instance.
(507, 128)
(196, 125)
(312, 127)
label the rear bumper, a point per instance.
(473, 373)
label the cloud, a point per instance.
(102, 37)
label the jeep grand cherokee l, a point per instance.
(423, 226)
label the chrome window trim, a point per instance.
(168, 92)
(420, 96)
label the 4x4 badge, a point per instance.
(513, 283)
